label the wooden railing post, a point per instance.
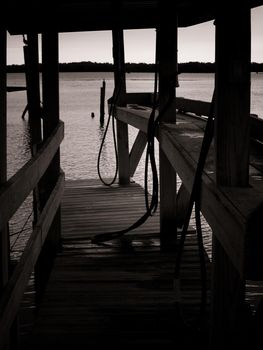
(232, 82)
(167, 57)
(50, 81)
(120, 92)
(33, 100)
(5, 272)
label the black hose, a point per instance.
(150, 208)
(195, 199)
(150, 157)
(150, 151)
(110, 115)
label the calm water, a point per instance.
(79, 97)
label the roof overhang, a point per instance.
(84, 15)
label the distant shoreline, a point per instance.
(189, 67)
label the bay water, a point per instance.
(79, 98)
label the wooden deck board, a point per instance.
(119, 293)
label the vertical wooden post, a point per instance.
(120, 88)
(4, 234)
(167, 56)
(4, 241)
(233, 97)
(232, 159)
(102, 103)
(50, 81)
(33, 92)
(33, 100)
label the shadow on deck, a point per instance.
(119, 293)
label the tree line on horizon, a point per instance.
(188, 67)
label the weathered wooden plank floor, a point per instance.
(119, 293)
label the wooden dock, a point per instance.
(120, 292)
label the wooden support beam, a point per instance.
(123, 153)
(33, 104)
(12, 335)
(185, 105)
(137, 151)
(33, 88)
(4, 237)
(50, 81)
(167, 57)
(140, 98)
(137, 118)
(120, 92)
(232, 81)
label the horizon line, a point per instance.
(111, 63)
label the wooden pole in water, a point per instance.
(102, 103)
(167, 57)
(232, 82)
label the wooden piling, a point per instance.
(167, 57)
(50, 81)
(33, 91)
(4, 234)
(102, 103)
(4, 237)
(120, 92)
(33, 104)
(232, 82)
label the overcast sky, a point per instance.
(196, 43)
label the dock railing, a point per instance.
(233, 213)
(12, 195)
